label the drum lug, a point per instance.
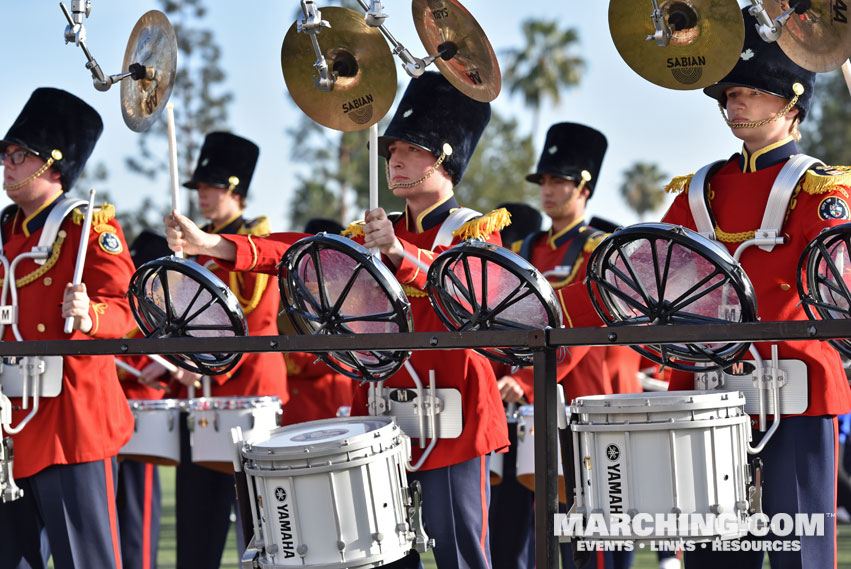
(250, 557)
(709, 380)
(422, 542)
(216, 422)
(755, 489)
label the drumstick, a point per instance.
(373, 173)
(172, 161)
(135, 372)
(846, 72)
(81, 253)
(164, 362)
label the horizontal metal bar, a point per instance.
(535, 339)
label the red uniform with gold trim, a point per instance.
(739, 196)
(485, 427)
(316, 391)
(90, 419)
(256, 373)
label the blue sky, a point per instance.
(678, 130)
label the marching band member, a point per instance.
(139, 498)
(65, 456)
(763, 99)
(428, 145)
(316, 390)
(567, 174)
(205, 497)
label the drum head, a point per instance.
(480, 286)
(661, 274)
(824, 279)
(174, 298)
(331, 285)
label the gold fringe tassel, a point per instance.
(101, 215)
(355, 229)
(481, 227)
(679, 184)
(815, 183)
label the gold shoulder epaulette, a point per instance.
(593, 241)
(679, 184)
(516, 246)
(481, 227)
(259, 226)
(823, 179)
(102, 214)
(355, 229)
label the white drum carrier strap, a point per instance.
(453, 223)
(54, 221)
(781, 193)
(697, 199)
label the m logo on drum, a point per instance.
(280, 494)
(613, 452)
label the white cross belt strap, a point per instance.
(697, 199)
(456, 219)
(54, 221)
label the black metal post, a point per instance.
(546, 458)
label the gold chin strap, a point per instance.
(797, 88)
(445, 151)
(54, 156)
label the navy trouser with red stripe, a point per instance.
(139, 503)
(455, 515)
(800, 477)
(67, 511)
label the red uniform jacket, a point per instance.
(90, 420)
(316, 391)
(131, 385)
(739, 196)
(256, 373)
(485, 427)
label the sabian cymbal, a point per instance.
(153, 45)
(819, 39)
(363, 68)
(706, 43)
(473, 69)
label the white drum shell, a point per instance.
(156, 433)
(334, 503)
(526, 451)
(212, 418)
(663, 453)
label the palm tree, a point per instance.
(643, 187)
(544, 66)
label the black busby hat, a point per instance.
(319, 224)
(525, 220)
(148, 246)
(226, 161)
(573, 151)
(433, 113)
(58, 127)
(764, 66)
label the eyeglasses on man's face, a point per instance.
(16, 157)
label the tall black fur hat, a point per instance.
(148, 246)
(319, 224)
(525, 220)
(56, 124)
(226, 161)
(432, 113)
(764, 66)
(572, 151)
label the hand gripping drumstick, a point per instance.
(172, 161)
(81, 254)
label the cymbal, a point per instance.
(473, 69)
(152, 44)
(815, 40)
(701, 52)
(362, 65)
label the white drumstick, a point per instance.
(846, 72)
(373, 173)
(164, 362)
(172, 161)
(81, 253)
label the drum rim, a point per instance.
(254, 448)
(526, 273)
(212, 284)
(676, 358)
(154, 404)
(814, 305)
(254, 402)
(346, 363)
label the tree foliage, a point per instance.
(827, 130)
(643, 187)
(200, 103)
(544, 66)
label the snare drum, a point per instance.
(156, 436)
(211, 419)
(329, 493)
(679, 452)
(526, 451)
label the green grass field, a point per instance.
(166, 558)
